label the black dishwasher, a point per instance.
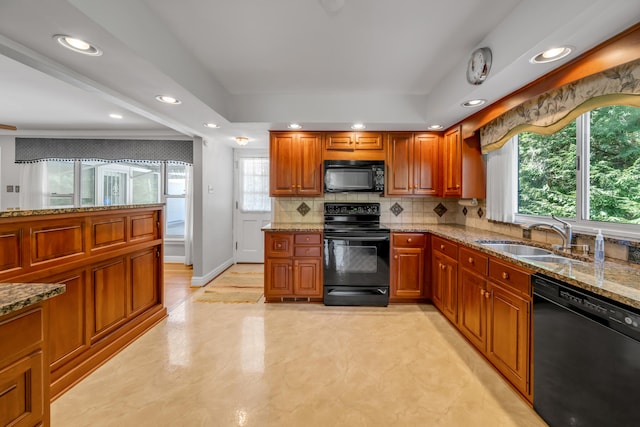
(586, 357)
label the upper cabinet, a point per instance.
(296, 164)
(351, 141)
(463, 167)
(412, 164)
(452, 163)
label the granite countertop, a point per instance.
(293, 226)
(14, 296)
(618, 281)
(36, 212)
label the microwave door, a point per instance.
(348, 179)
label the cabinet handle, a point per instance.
(487, 295)
(409, 240)
(505, 275)
(442, 247)
(471, 260)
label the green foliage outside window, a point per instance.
(547, 169)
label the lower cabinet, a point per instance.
(407, 264)
(24, 379)
(491, 308)
(293, 266)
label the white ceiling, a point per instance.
(255, 65)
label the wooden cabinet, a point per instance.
(296, 164)
(110, 261)
(445, 277)
(412, 164)
(293, 266)
(24, 371)
(472, 296)
(452, 163)
(352, 141)
(408, 278)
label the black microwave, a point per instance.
(346, 176)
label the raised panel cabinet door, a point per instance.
(341, 141)
(109, 297)
(278, 281)
(278, 245)
(445, 282)
(145, 288)
(407, 272)
(307, 277)
(68, 320)
(369, 141)
(472, 311)
(10, 249)
(61, 239)
(508, 335)
(22, 396)
(399, 164)
(438, 279)
(282, 166)
(452, 164)
(425, 164)
(309, 169)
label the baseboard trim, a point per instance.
(203, 280)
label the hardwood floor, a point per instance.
(177, 284)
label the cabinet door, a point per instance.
(307, 277)
(369, 141)
(22, 396)
(452, 164)
(472, 311)
(282, 167)
(143, 281)
(341, 141)
(309, 165)
(109, 297)
(278, 281)
(399, 168)
(425, 164)
(407, 273)
(445, 285)
(508, 335)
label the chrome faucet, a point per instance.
(565, 231)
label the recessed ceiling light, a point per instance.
(212, 126)
(295, 126)
(168, 99)
(358, 126)
(77, 45)
(473, 103)
(242, 140)
(115, 116)
(551, 55)
(436, 127)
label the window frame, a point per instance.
(580, 223)
(164, 196)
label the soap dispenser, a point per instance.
(598, 251)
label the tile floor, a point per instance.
(295, 365)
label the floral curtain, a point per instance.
(551, 111)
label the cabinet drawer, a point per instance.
(515, 278)
(307, 251)
(308, 239)
(279, 245)
(446, 247)
(473, 260)
(20, 333)
(409, 239)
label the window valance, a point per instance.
(30, 150)
(553, 110)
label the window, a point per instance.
(254, 184)
(61, 183)
(589, 171)
(175, 197)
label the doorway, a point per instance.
(252, 204)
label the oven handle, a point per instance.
(359, 239)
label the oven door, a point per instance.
(356, 259)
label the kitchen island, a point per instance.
(109, 260)
(24, 350)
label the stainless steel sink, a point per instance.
(555, 259)
(517, 249)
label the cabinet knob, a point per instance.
(487, 295)
(443, 267)
(482, 292)
(290, 268)
(409, 240)
(442, 247)
(278, 246)
(505, 275)
(395, 257)
(471, 260)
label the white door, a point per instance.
(252, 204)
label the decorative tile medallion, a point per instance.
(480, 212)
(634, 255)
(464, 211)
(440, 209)
(303, 209)
(396, 209)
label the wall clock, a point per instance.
(479, 65)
